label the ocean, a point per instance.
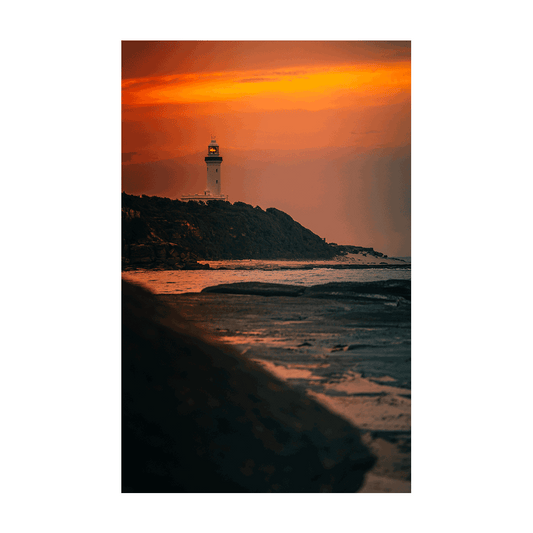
(306, 273)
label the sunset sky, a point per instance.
(320, 130)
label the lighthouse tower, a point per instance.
(213, 161)
(213, 190)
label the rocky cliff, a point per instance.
(159, 233)
(173, 234)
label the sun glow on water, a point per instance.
(181, 281)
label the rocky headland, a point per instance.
(164, 234)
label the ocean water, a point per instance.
(292, 273)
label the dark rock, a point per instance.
(387, 289)
(141, 253)
(219, 230)
(338, 348)
(195, 266)
(358, 346)
(198, 417)
(160, 252)
(257, 289)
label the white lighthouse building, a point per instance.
(213, 160)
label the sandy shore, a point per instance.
(352, 356)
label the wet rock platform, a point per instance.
(346, 345)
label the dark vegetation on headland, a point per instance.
(161, 233)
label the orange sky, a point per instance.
(320, 130)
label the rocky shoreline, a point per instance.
(198, 416)
(345, 345)
(169, 256)
(142, 258)
(164, 234)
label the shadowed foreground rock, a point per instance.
(198, 417)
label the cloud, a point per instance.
(251, 80)
(290, 72)
(276, 75)
(161, 58)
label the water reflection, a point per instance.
(181, 281)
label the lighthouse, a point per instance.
(213, 161)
